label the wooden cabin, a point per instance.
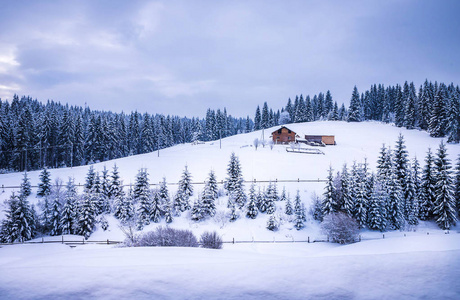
(321, 139)
(284, 135)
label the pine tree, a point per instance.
(45, 216)
(212, 183)
(283, 196)
(19, 224)
(444, 206)
(155, 208)
(257, 119)
(355, 109)
(208, 200)
(116, 187)
(411, 203)
(457, 185)
(124, 208)
(197, 210)
(427, 189)
(87, 216)
(299, 213)
(261, 202)
(272, 224)
(252, 210)
(439, 116)
(44, 187)
(395, 214)
(68, 220)
(90, 177)
(25, 186)
(142, 195)
(185, 191)
(234, 181)
(377, 209)
(56, 216)
(329, 201)
(288, 210)
(410, 117)
(270, 199)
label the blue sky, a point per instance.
(181, 57)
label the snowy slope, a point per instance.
(404, 265)
(355, 142)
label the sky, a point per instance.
(182, 57)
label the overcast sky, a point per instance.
(181, 57)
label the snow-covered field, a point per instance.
(414, 266)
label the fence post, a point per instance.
(384, 236)
(273, 239)
(233, 240)
(427, 233)
(308, 240)
(107, 241)
(83, 241)
(360, 238)
(63, 239)
(42, 240)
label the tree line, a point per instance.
(35, 135)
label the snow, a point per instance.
(404, 268)
(404, 265)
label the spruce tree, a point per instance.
(252, 210)
(25, 186)
(329, 201)
(411, 203)
(185, 191)
(68, 220)
(124, 208)
(45, 216)
(55, 216)
(197, 210)
(208, 199)
(116, 187)
(288, 210)
(355, 109)
(299, 213)
(234, 182)
(87, 216)
(90, 177)
(142, 195)
(444, 206)
(261, 202)
(395, 214)
(427, 189)
(44, 187)
(272, 224)
(377, 209)
(155, 208)
(270, 199)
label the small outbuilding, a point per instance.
(321, 139)
(284, 135)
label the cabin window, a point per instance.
(289, 131)
(277, 137)
(289, 138)
(279, 131)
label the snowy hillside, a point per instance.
(355, 142)
(423, 263)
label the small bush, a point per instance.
(168, 237)
(211, 240)
(340, 228)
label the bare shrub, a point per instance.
(168, 237)
(340, 228)
(211, 240)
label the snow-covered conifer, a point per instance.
(25, 186)
(261, 202)
(185, 191)
(283, 196)
(87, 216)
(116, 187)
(299, 213)
(444, 206)
(197, 210)
(155, 208)
(328, 200)
(44, 187)
(395, 211)
(270, 199)
(55, 215)
(142, 195)
(252, 210)
(272, 223)
(90, 176)
(377, 209)
(68, 214)
(348, 205)
(288, 210)
(234, 181)
(427, 188)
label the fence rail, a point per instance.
(298, 180)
